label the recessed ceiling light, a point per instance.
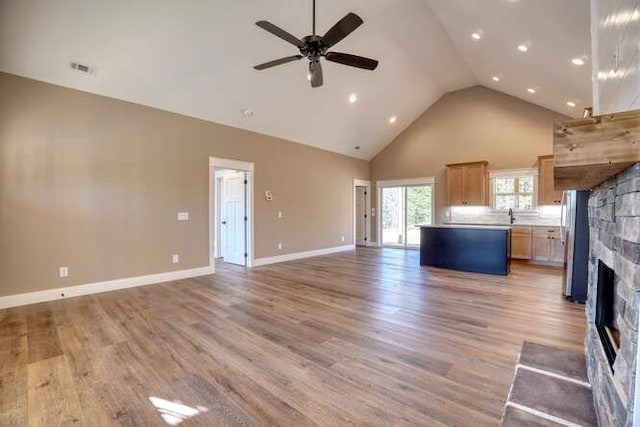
(523, 48)
(531, 90)
(577, 61)
(495, 78)
(571, 104)
(392, 119)
(247, 112)
(353, 98)
(476, 36)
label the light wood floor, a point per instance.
(364, 337)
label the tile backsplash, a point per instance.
(542, 215)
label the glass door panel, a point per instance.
(418, 211)
(393, 216)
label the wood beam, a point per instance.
(587, 152)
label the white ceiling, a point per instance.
(556, 30)
(196, 58)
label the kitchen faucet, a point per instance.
(512, 218)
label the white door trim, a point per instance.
(367, 209)
(219, 163)
(405, 182)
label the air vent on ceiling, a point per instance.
(83, 68)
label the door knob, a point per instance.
(224, 222)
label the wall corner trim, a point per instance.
(299, 255)
(99, 287)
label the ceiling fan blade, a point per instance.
(341, 29)
(278, 62)
(315, 73)
(279, 32)
(352, 60)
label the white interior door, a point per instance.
(361, 219)
(233, 218)
(217, 253)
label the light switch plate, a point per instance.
(183, 216)
(64, 271)
(175, 259)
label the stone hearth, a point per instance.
(614, 222)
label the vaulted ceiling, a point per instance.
(196, 58)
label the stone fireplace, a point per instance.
(614, 296)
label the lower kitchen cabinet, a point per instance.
(521, 242)
(546, 245)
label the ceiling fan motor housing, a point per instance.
(313, 47)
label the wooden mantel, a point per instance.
(587, 152)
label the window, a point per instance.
(513, 190)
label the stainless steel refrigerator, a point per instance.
(575, 238)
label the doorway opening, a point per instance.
(231, 222)
(361, 212)
(404, 206)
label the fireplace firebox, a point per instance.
(606, 312)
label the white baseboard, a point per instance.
(98, 287)
(299, 255)
(372, 244)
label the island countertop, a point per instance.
(469, 226)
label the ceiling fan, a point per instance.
(314, 47)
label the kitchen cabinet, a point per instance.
(521, 242)
(557, 250)
(467, 184)
(547, 195)
(546, 245)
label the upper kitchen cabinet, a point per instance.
(615, 31)
(547, 195)
(467, 184)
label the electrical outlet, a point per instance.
(183, 216)
(64, 271)
(175, 259)
(279, 246)
(342, 238)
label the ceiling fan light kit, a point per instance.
(314, 47)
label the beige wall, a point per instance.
(463, 126)
(95, 184)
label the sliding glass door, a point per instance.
(404, 208)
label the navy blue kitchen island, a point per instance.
(477, 249)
